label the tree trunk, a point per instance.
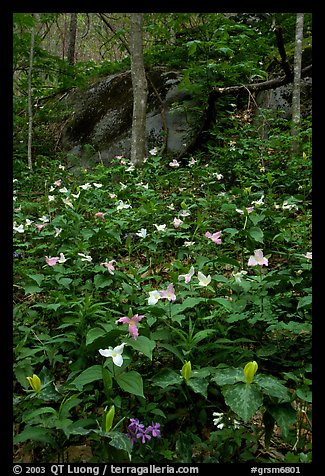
(140, 91)
(30, 100)
(72, 39)
(296, 82)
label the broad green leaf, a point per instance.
(65, 282)
(304, 394)
(256, 233)
(38, 278)
(87, 376)
(202, 335)
(94, 334)
(305, 301)
(120, 441)
(223, 302)
(101, 281)
(131, 382)
(272, 387)
(228, 376)
(167, 377)
(244, 399)
(35, 434)
(199, 385)
(32, 289)
(188, 303)
(67, 404)
(39, 411)
(285, 416)
(144, 345)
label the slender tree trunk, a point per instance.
(140, 91)
(297, 81)
(30, 100)
(72, 39)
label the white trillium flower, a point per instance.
(203, 280)
(115, 353)
(154, 297)
(142, 233)
(19, 228)
(62, 259)
(122, 205)
(86, 186)
(85, 257)
(160, 227)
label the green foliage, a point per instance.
(90, 249)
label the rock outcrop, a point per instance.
(101, 123)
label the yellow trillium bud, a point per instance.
(109, 418)
(187, 370)
(250, 370)
(35, 382)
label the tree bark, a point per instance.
(72, 39)
(30, 100)
(297, 82)
(140, 91)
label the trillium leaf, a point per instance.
(167, 377)
(199, 385)
(256, 233)
(144, 345)
(131, 382)
(87, 376)
(244, 399)
(272, 387)
(228, 376)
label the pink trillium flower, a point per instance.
(57, 183)
(132, 322)
(169, 293)
(39, 227)
(258, 258)
(215, 237)
(309, 255)
(177, 222)
(100, 215)
(109, 265)
(52, 261)
(187, 276)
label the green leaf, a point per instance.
(144, 345)
(202, 335)
(223, 302)
(35, 434)
(94, 334)
(36, 277)
(305, 301)
(304, 394)
(244, 399)
(285, 416)
(272, 387)
(32, 289)
(188, 303)
(39, 411)
(256, 233)
(102, 281)
(228, 376)
(120, 441)
(65, 282)
(198, 385)
(167, 377)
(67, 405)
(87, 376)
(131, 382)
